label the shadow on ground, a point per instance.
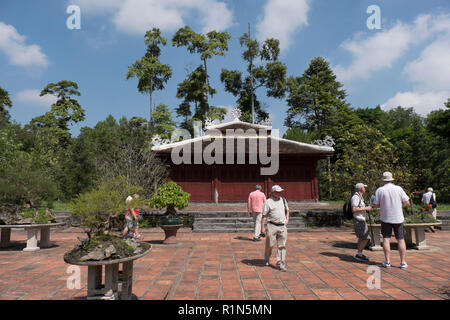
(346, 257)
(19, 246)
(244, 238)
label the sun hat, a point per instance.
(277, 188)
(430, 189)
(360, 185)
(387, 176)
(129, 199)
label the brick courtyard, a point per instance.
(320, 265)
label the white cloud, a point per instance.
(381, 50)
(422, 102)
(282, 18)
(431, 71)
(19, 53)
(31, 96)
(138, 16)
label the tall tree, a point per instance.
(152, 74)
(315, 97)
(212, 44)
(163, 123)
(271, 75)
(5, 101)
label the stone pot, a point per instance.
(171, 233)
(118, 283)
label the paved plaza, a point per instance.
(320, 265)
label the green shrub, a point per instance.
(171, 196)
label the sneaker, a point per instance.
(362, 258)
(267, 264)
(262, 235)
(386, 264)
(403, 265)
(256, 239)
(282, 268)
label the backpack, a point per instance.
(347, 208)
(433, 203)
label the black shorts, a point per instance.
(399, 230)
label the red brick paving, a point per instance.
(230, 266)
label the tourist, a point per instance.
(276, 212)
(391, 199)
(132, 220)
(429, 198)
(256, 201)
(359, 218)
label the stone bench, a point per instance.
(419, 230)
(32, 231)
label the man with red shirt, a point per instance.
(256, 201)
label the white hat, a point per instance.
(430, 189)
(360, 185)
(387, 176)
(277, 188)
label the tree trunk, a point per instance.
(151, 101)
(207, 84)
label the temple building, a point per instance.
(229, 159)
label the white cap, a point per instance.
(277, 188)
(430, 189)
(387, 176)
(129, 198)
(360, 185)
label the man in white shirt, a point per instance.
(359, 218)
(391, 199)
(427, 199)
(276, 212)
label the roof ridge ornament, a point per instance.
(236, 113)
(210, 122)
(266, 122)
(158, 141)
(328, 141)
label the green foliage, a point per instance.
(171, 196)
(39, 216)
(5, 101)
(23, 178)
(271, 75)
(162, 121)
(314, 98)
(97, 207)
(212, 44)
(152, 74)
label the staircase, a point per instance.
(444, 216)
(63, 216)
(228, 221)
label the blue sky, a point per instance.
(406, 62)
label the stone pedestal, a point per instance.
(32, 240)
(375, 241)
(171, 233)
(118, 284)
(421, 242)
(45, 238)
(6, 236)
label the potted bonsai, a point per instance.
(170, 196)
(97, 208)
(26, 194)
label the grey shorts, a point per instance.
(399, 230)
(361, 229)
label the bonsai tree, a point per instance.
(98, 207)
(25, 189)
(171, 196)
